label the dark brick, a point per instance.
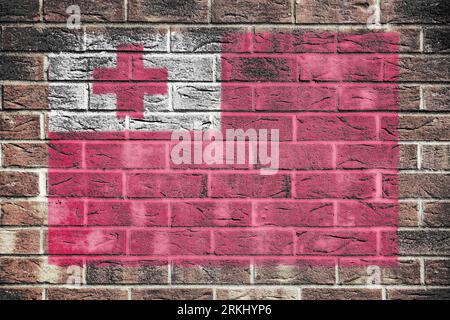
(407, 272)
(20, 293)
(300, 272)
(172, 294)
(356, 39)
(418, 294)
(42, 39)
(202, 272)
(418, 68)
(333, 11)
(229, 11)
(415, 11)
(86, 294)
(437, 214)
(91, 10)
(257, 294)
(210, 39)
(25, 97)
(19, 10)
(23, 213)
(409, 216)
(437, 272)
(19, 184)
(340, 294)
(168, 11)
(408, 156)
(19, 126)
(437, 39)
(21, 67)
(422, 185)
(424, 242)
(25, 155)
(131, 272)
(436, 98)
(424, 128)
(436, 157)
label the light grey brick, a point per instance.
(183, 67)
(197, 97)
(67, 96)
(81, 121)
(109, 38)
(176, 122)
(77, 66)
(209, 39)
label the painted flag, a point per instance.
(116, 195)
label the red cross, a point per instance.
(130, 81)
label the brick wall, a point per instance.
(358, 210)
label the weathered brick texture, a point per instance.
(89, 194)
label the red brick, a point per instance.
(238, 185)
(367, 156)
(170, 242)
(314, 67)
(267, 122)
(210, 214)
(298, 214)
(65, 154)
(65, 212)
(125, 155)
(341, 243)
(336, 127)
(290, 40)
(379, 97)
(81, 184)
(390, 40)
(334, 185)
(305, 156)
(127, 213)
(166, 185)
(86, 241)
(296, 98)
(367, 214)
(253, 242)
